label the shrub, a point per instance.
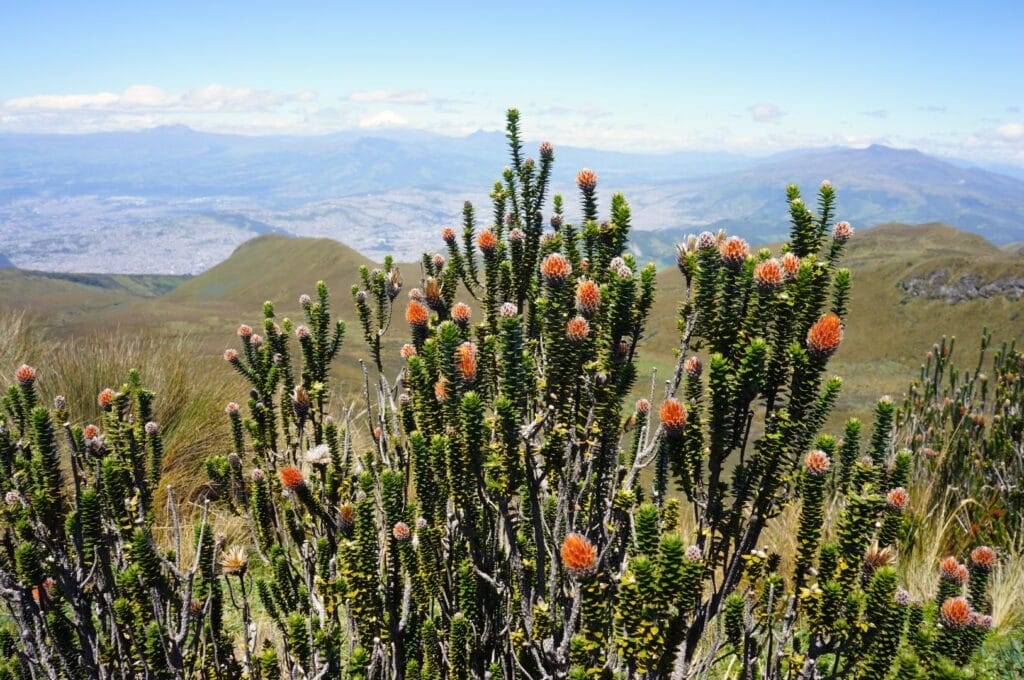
(965, 426)
(497, 508)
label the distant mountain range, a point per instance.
(173, 200)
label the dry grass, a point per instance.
(191, 390)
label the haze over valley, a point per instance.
(171, 200)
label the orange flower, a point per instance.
(768, 275)
(949, 569)
(817, 462)
(401, 531)
(106, 398)
(586, 180)
(555, 269)
(416, 313)
(25, 375)
(897, 499)
(956, 612)
(734, 251)
(487, 241)
(577, 329)
(465, 360)
(346, 516)
(824, 336)
(244, 331)
(448, 235)
(461, 313)
(673, 415)
(983, 557)
(91, 432)
(230, 355)
(692, 367)
(790, 264)
(408, 351)
(579, 556)
(643, 406)
(441, 389)
(291, 477)
(588, 297)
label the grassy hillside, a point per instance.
(58, 300)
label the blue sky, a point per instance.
(946, 77)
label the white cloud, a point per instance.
(1011, 132)
(875, 113)
(384, 119)
(765, 112)
(149, 98)
(391, 96)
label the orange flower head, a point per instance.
(487, 241)
(950, 569)
(586, 180)
(441, 389)
(416, 314)
(588, 297)
(790, 264)
(824, 336)
(672, 414)
(547, 151)
(401, 531)
(579, 556)
(897, 499)
(244, 331)
(448, 235)
(346, 516)
(465, 360)
(25, 375)
(408, 351)
(983, 557)
(291, 477)
(956, 612)
(768, 275)
(643, 406)
(817, 462)
(734, 251)
(256, 340)
(106, 398)
(577, 329)
(693, 367)
(461, 313)
(555, 269)
(91, 432)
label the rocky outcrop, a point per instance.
(937, 286)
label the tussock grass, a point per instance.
(191, 389)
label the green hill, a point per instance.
(59, 299)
